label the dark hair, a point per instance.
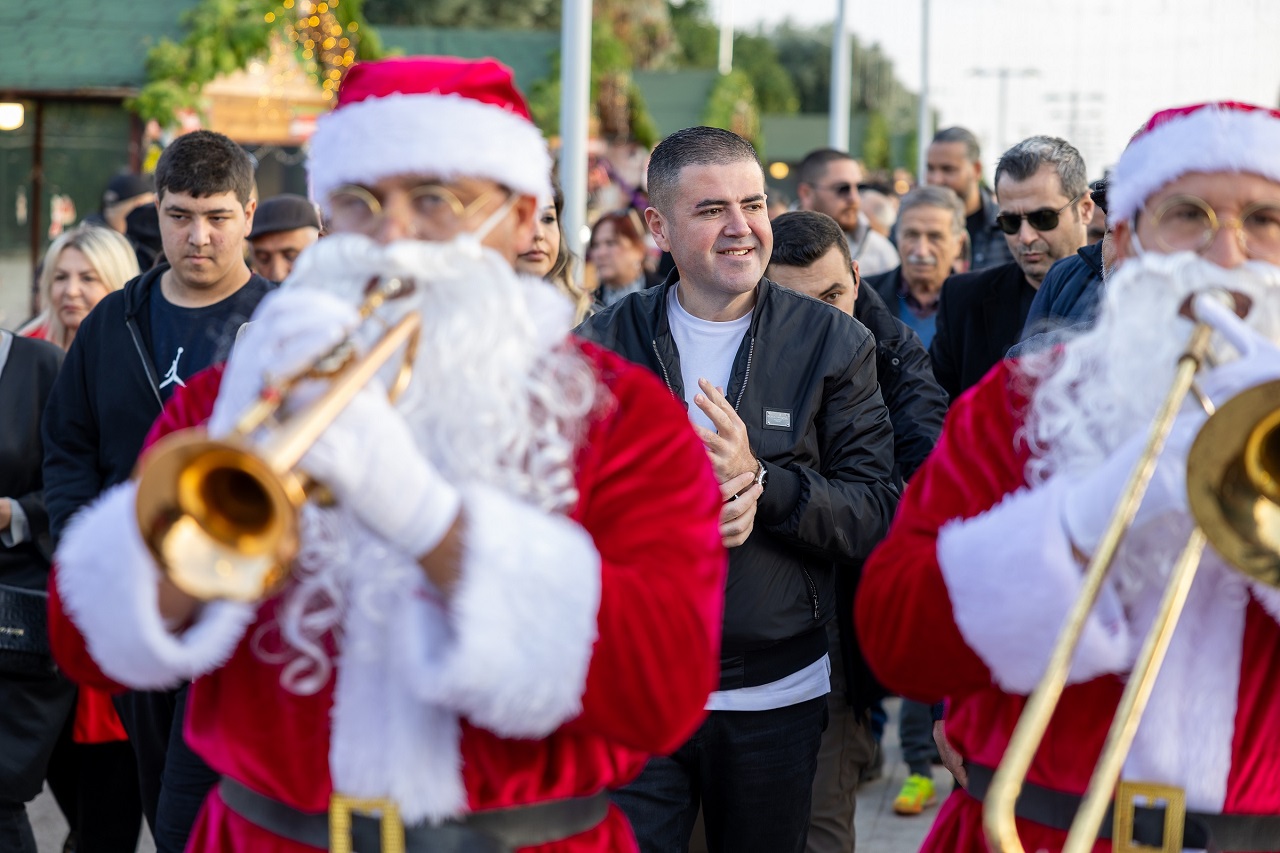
(204, 163)
(814, 165)
(626, 224)
(693, 146)
(963, 135)
(801, 237)
(1025, 159)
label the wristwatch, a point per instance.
(761, 474)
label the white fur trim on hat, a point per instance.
(441, 136)
(1214, 138)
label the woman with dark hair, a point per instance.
(550, 258)
(92, 772)
(617, 251)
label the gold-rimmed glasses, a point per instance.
(436, 209)
(1185, 223)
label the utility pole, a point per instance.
(841, 80)
(1002, 75)
(575, 91)
(726, 36)
(922, 118)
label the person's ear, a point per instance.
(857, 280)
(250, 208)
(657, 227)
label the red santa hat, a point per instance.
(1225, 136)
(431, 115)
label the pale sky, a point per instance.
(1092, 70)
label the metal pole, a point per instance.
(575, 92)
(841, 79)
(923, 133)
(726, 36)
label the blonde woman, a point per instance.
(80, 268)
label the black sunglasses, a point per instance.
(1044, 219)
(841, 190)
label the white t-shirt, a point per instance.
(707, 350)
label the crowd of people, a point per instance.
(649, 535)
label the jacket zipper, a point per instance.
(666, 377)
(746, 374)
(813, 592)
(146, 367)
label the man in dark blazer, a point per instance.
(1044, 212)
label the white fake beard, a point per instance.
(1106, 384)
(497, 397)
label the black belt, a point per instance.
(1056, 809)
(496, 831)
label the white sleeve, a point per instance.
(1012, 579)
(108, 583)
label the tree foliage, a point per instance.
(223, 36)
(616, 103)
(732, 106)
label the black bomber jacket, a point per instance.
(804, 383)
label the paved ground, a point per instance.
(879, 829)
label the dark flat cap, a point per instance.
(283, 213)
(126, 186)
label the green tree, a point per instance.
(876, 145)
(223, 36)
(732, 106)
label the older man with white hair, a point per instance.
(965, 597)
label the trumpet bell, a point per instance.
(1233, 482)
(221, 521)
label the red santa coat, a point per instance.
(650, 503)
(964, 598)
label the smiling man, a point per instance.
(782, 391)
(136, 348)
(1044, 213)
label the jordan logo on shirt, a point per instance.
(172, 376)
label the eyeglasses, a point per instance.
(1185, 223)
(434, 206)
(1044, 219)
(844, 189)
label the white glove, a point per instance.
(290, 330)
(1259, 359)
(1090, 500)
(369, 460)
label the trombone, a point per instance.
(221, 516)
(1234, 495)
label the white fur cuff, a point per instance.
(1012, 579)
(107, 582)
(522, 619)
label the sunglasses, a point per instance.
(1044, 219)
(842, 190)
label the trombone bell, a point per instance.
(1233, 482)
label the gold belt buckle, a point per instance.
(341, 808)
(1175, 813)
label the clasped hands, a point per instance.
(734, 464)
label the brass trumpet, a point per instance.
(220, 516)
(1233, 490)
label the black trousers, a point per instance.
(172, 779)
(32, 713)
(96, 787)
